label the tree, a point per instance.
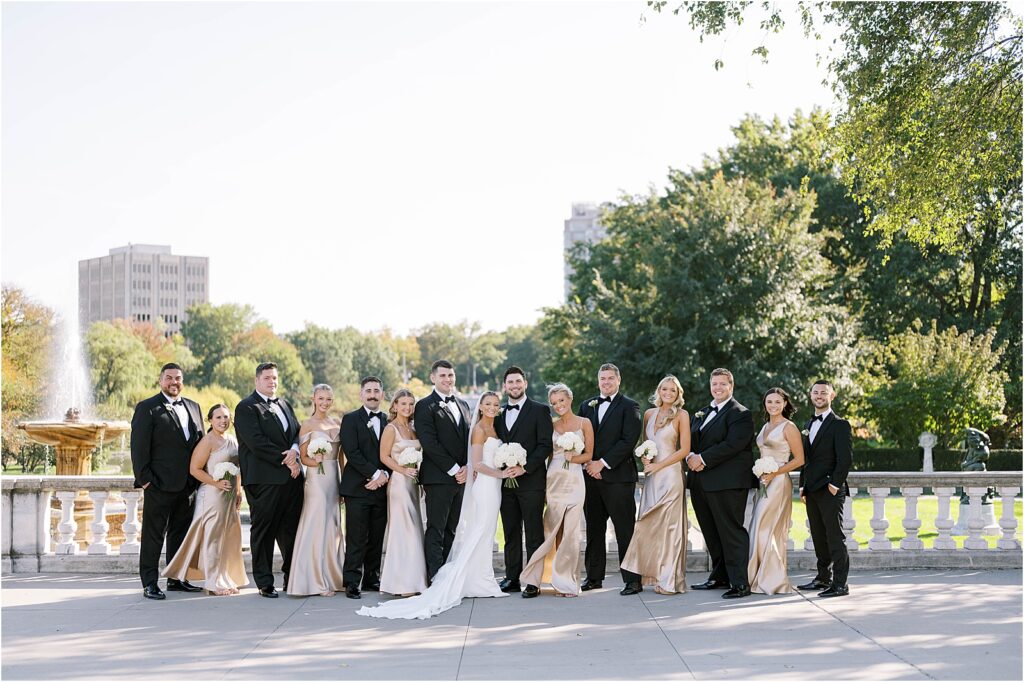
(938, 381)
(328, 353)
(210, 332)
(236, 373)
(119, 363)
(523, 345)
(261, 345)
(373, 357)
(473, 351)
(654, 297)
(164, 348)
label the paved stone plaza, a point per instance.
(948, 624)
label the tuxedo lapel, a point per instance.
(197, 418)
(177, 421)
(826, 425)
(264, 407)
(608, 413)
(464, 411)
(519, 420)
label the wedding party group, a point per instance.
(424, 485)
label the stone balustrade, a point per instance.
(29, 546)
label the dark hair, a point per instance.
(171, 365)
(393, 408)
(788, 410)
(264, 366)
(209, 413)
(514, 369)
(823, 382)
(441, 363)
(369, 380)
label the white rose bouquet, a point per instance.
(318, 449)
(226, 471)
(571, 444)
(510, 455)
(765, 465)
(410, 458)
(647, 451)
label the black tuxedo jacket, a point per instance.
(727, 447)
(261, 440)
(444, 442)
(362, 454)
(533, 430)
(615, 438)
(160, 452)
(829, 458)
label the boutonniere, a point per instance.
(699, 415)
(369, 423)
(592, 403)
(806, 432)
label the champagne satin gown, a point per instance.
(768, 570)
(557, 560)
(212, 548)
(657, 551)
(405, 566)
(319, 552)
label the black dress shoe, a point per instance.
(352, 592)
(589, 584)
(631, 588)
(153, 591)
(509, 585)
(737, 592)
(372, 587)
(268, 592)
(531, 591)
(711, 585)
(835, 591)
(181, 586)
(815, 584)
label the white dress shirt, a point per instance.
(279, 411)
(182, 413)
(816, 425)
(453, 408)
(601, 409)
(512, 415)
(707, 420)
(375, 424)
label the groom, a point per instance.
(528, 423)
(442, 425)
(720, 476)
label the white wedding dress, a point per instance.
(469, 571)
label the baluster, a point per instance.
(975, 524)
(689, 542)
(67, 527)
(131, 526)
(99, 526)
(879, 524)
(850, 523)
(611, 544)
(944, 521)
(911, 523)
(790, 545)
(1007, 520)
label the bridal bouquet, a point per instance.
(571, 443)
(410, 458)
(510, 455)
(226, 471)
(647, 451)
(319, 446)
(765, 465)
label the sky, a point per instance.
(357, 164)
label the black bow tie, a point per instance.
(376, 415)
(446, 400)
(177, 402)
(713, 408)
(604, 400)
(818, 418)
(511, 407)
(272, 401)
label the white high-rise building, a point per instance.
(142, 283)
(583, 226)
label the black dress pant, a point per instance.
(274, 510)
(825, 517)
(521, 509)
(366, 518)
(608, 500)
(444, 505)
(720, 515)
(163, 515)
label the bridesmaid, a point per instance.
(319, 545)
(405, 568)
(557, 559)
(212, 548)
(657, 551)
(769, 522)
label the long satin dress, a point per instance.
(556, 561)
(405, 566)
(657, 552)
(319, 552)
(767, 570)
(212, 548)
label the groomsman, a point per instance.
(528, 423)
(364, 487)
(268, 452)
(442, 425)
(165, 430)
(719, 479)
(828, 445)
(611, 477)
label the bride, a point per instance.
(469, 571)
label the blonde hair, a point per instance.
(393, 408)
(677, 404)
(559, 388)
(485, 394)
(320, 387)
